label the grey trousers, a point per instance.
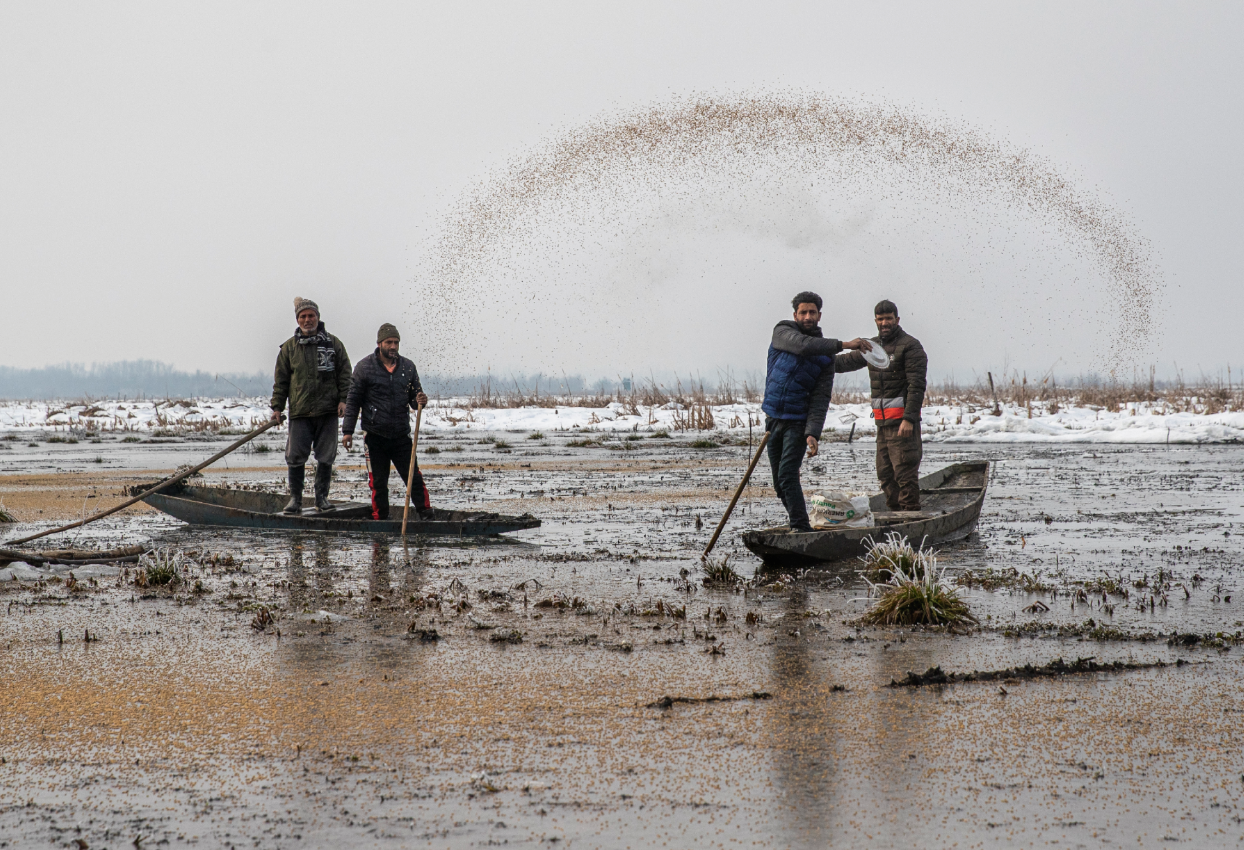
(312, 432)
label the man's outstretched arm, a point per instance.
(788, 339)
(849, 362)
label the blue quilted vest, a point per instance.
(789, 380)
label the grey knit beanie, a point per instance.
(387, 331)
(301, 304)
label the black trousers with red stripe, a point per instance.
(381, 452)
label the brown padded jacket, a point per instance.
(897, 390)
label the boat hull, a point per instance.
(952, 497)
(216, 506)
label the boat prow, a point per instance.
(950, 499)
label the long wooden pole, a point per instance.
(410, 474)
(737, 493)
(168, 482)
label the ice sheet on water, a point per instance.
(84, 571)
(321, 616)
(21, 571)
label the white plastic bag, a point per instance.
(839, 510)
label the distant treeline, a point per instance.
(129, 379)
(137, 379)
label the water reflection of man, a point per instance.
(897, 396)
(302, 594)
(799, 379)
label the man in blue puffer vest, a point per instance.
(799, 380)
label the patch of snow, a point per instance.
(1136, 422)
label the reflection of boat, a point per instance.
(253, 509)
(950, 499)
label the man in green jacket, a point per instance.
(897, 395)
(313, 375)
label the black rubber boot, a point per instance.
(323, 479)
(297, 477)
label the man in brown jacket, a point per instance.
(897, 395)
(313, 375)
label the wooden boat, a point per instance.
(950, 501)
(253, 509)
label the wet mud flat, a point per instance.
(329, 690)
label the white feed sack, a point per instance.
(839, 510)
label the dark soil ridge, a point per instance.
(1057, 667)
(668, 701)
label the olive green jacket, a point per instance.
(298, 378)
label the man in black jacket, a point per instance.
(385, 387)
(897, 395)
(799, 378)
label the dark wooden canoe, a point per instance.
(950, 501)
(252, 509)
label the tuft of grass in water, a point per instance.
(535, 435)
(893, 555)
(703, 444)
(720, 573)
(582, 444)
(58, 439)
(501, 445)
(262, 448)
(915, 593)
(455, 449)
(431, 450)
(98, 459)
(159, 567)
(659, 435)
(132, 439)
(630, 438)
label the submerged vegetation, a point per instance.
(914, 592)
(719, 573)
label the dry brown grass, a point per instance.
(645, 394)
(1013, 389)
(1047, 395)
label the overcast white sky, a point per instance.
(171, 175)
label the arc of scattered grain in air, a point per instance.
(621, 157)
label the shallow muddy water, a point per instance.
(337, 725)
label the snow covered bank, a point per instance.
(1141, 423)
